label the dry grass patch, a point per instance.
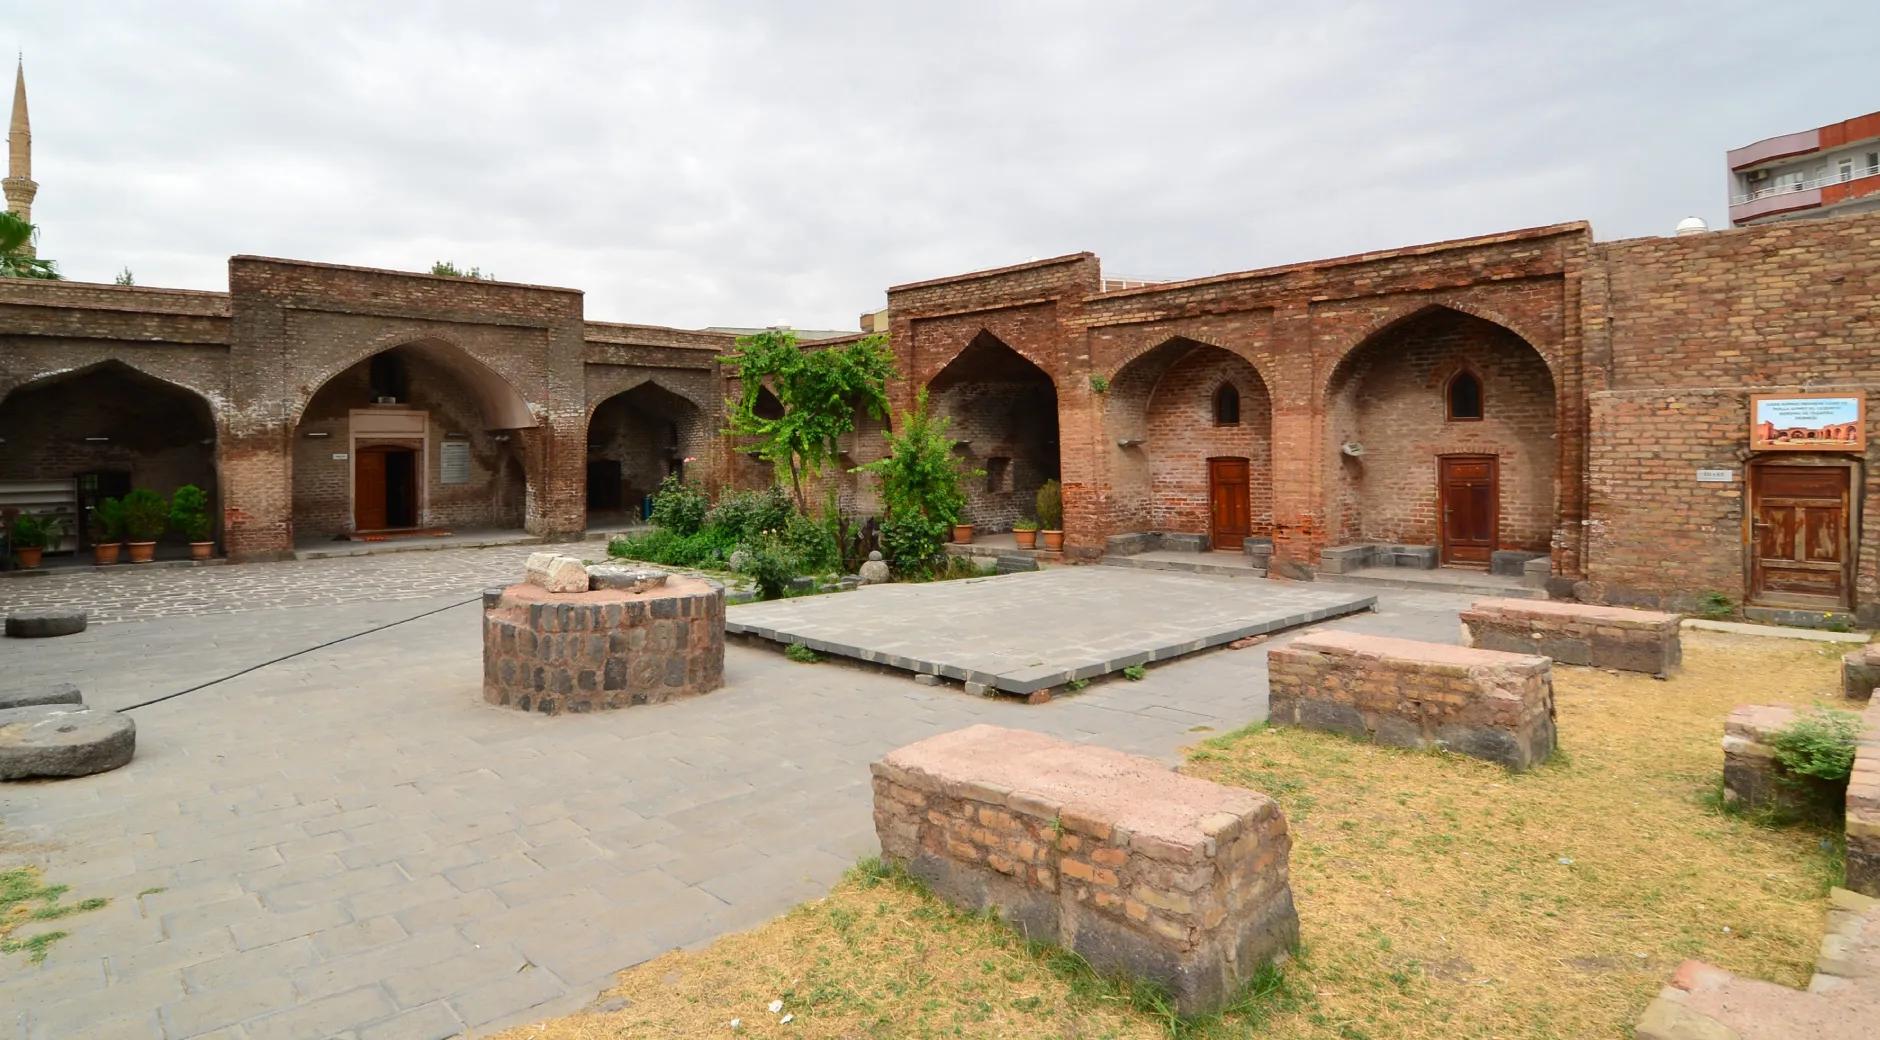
(26, 900)
(1439, 896)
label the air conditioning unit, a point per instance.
(1758, 175)
(388, 400)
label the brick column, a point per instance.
(1298, 444)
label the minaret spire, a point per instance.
(19, 184)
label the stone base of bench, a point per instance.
(1140, 870)
(1752, 778)
(1860, 673)
(1577, 633)
(1863, 808)
(1404, 693)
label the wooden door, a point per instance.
(1469, 503)
(1229, 510)
(1798, 536)
(369, 489)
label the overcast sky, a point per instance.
(744, 164)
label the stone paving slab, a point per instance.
(1026, 632)
(351, 843)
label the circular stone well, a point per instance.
(606, 648)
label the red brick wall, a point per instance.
(1390, 397)
(1181, 436)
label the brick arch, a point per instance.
(210, 401)
(1376, 329)
(495, 392)
(633, 383)
(1147, 347)
(1009, 338)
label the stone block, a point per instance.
(1014, 564)
(1511, 563)
(1131, 543)
(44, 622)
(56, 740)
(1178, 542)
(1536, 572)
(1140, 870)
(1343, 559)
(1752, 778)
(1860, 673)
(556, 573)
(1404, 693)
(1578, 633)
(54, 693)
(623, 578)
(1863, 808)
(1415, 557)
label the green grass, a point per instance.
(24, 898)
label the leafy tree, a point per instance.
(920, 489)
(16, 237)
(125, 277)
(820, 391)
(450, 269)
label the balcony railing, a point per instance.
(1794, 186)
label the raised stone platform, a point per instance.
(607, 648)
(1406, 693)
(1752, 777)
(1577, 633)
(1137, 868)
(1026, 632)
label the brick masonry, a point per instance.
(1860, 673)
(1405, 693)
(592, 651)
(1863, 808)
(1135, 867)
(1752, 777)
(1611, 372)
(1576, 633)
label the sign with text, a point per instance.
(1808, 422)
(454, 462)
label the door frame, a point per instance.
(1442, 515)
(1856, 480)
(1247, 467)
(383, 427)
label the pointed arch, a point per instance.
(502, 406)
(1003, 408)
(1226, 404)
(1464, 399)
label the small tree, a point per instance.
(107, 521)
(920, 489)
(189, 513)
(451, 270)
(1049, 503)
(16, 243)
(820, 391)
(125, 277)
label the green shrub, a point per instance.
(801, 654)
(107, 521)
(28, 532)
(1819, 745)
(146, 514)
(770, 563)
(1715, 605)
(1050, 506)
(747, 514)
(679, 507)
(912, 543)
(1099, 384)
(189, 513)
(920, 489)
(810, 545)
(706, 549)
(1024, 525)
(1135, 673)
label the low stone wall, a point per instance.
(1704, 1002)
(1860, 672)
(1137, 868)
(1752, 778)
(607, 648)
(1863, 808)
(1404, 693)
(1577, 633)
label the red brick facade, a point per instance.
(1610, 373)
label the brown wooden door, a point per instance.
(1469, 500)
(1798, 536)
(1228, 503)
(369, 489)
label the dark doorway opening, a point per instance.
(385, 488)
(603, 484)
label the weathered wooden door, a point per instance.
(369, 489)
(1469, 501)
(1229, 499)
(1798, 536)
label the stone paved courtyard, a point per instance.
(351, 843)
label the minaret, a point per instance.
(19, 184)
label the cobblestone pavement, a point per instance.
(351, 843)
(128, 593)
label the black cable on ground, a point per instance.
(297, 653)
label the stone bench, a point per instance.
(1140, 870)
(1704, 1002)
(1860, 672)
(1577, 633)
(1863, 808)
(1404, 693)
(1752, 777)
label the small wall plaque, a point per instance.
(453, 462)
(339, 456)
(1717, 476)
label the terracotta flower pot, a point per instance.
(963, 533)
(201, 550)
(29, 556)
(1053, 540)
(1026, 539)
(143, 552)
(105, 553)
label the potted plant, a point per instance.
(107, 531)
(963, 533)
(189, 517)
(28, 535)
(1026, 531)
(146, 514)
(1051, 515)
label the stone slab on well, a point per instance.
(609, 648)
(1842, 1002)
(1860, 673)
(1863, 808)
(1405, 693)
(60, 740)
(1577, 633)
(1139, 869)
(556, 572)
(1021, 633)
